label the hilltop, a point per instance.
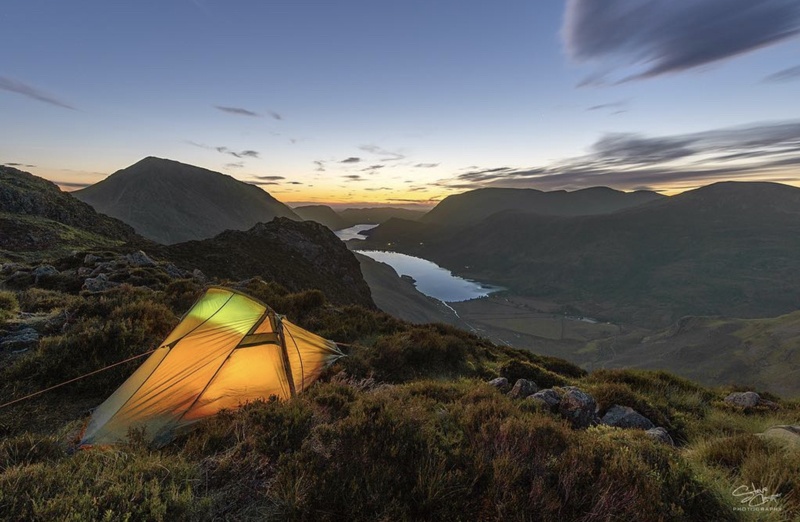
(170, 202)
(476, 205)
(323, 215)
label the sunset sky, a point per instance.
(362, 101)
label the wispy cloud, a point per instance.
(372, 168)
(386, 155)
(351, 159)
(274, 115)
(655, 37)
(628, 161)
(426, 165)
(320, 166)
(354, 177)
(238, 111)
(23, 165)
(786, 75)
(376, 189)
(269, 178)
(11, 85)
(236, 165)
(226, 150)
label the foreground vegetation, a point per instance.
(405, 428)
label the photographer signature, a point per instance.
(754, 497)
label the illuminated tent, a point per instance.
(227, 350)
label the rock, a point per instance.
(102, 267)
(10, 268)
(548, 397)
(139, 258)
(625, 417)
(661, 435)
(501, 383)
(578, 407)
(743, 399)
(523, 388)
(84, 271)
(174, 272)
(44, 271)
(784, 434)
(98, 284)
(198, 275)
(91, 259)
(22, 339)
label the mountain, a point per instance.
(728, 249)
(170, 202)
(476, 205)
(322, 214)
(38, 219)
(377, 215)
(299, 255)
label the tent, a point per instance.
(227, 350)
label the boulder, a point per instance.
(139, 258)
(108, 266)
(98, 284)
(91, 259)
(784, 434)
(20, 340)
(174, 272)
(523, 388)
(549, 398)
(661, 435)
(747, 399)
(44, 271)
(501, 383)
(578, 407)
(625, 417)
(199, 276)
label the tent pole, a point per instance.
(285, 355)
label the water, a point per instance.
(431, 279)
(347, 234)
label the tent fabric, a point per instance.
(227, 350)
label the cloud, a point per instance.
(226, 150)
(375, 189)
(236, 165)
(269, 178)
(614, 107)
(260, 183)
(372, 168)
(72, 184)
(238, 111)
(786, 75)
(426, 165)
(11, 85)
(351, 159)
(628, 161)
(354, 177)
(320, 166)
(387, 155)
(23, 165)
(274, 115)
(657, 37)
(294, 183)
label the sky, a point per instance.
(359, 102)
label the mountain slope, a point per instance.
(170, 202)
(322, 214)
(37, 219)
(298, 255)
(377, 215)
(726, 249)
(476, 205)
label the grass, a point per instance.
(404, 428)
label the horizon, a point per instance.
(356, 105)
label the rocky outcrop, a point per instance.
(548, 398)
(19, 340)
(501, 383)
(298, 255)
(749, 399)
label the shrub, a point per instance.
(9, 306)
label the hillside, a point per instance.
(169, 202)
(728, 249)
(476, 205)
(299, 255)
(418, 422)
(38, 219)
(377, 215)
(322, 214)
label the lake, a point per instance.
(430, 279)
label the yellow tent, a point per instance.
(227, 350)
